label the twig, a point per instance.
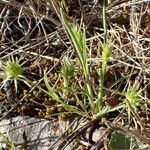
(124, 3)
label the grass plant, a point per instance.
(106, 47)
(78, 38)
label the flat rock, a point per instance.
(32, 133)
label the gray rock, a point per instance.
(32, 133)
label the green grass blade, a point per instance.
(78, 39)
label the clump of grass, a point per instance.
(77, 35)
(78, 38)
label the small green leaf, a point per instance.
(120, 141)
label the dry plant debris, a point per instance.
(33, 32)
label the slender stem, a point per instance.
(104, 22)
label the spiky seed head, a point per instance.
(13, 69)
